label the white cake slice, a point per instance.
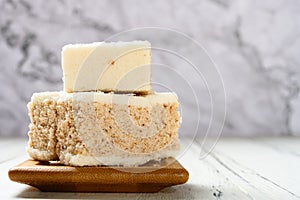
(95, 128)
(117, 66)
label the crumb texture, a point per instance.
(42, 130)
(92, 130)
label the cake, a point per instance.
(107, 113)
(118, 67)
(96, 128)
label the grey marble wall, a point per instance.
(254, 43)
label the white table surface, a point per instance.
(237, 168)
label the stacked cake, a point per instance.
(107, 113)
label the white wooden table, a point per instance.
(237, 168)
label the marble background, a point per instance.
(255, 45)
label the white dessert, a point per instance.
(119, 67)
(95, 128)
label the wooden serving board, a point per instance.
(53, 177)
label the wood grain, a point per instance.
(53, 177)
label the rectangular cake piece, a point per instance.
(95, 128)
(114, 66)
